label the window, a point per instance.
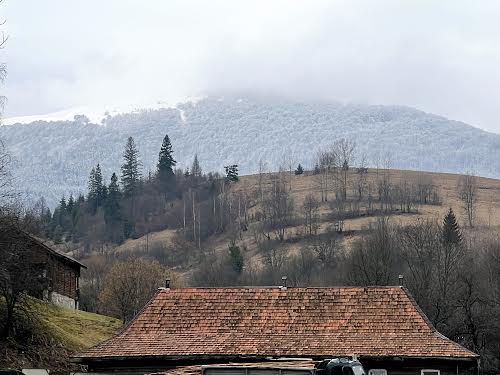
(430, 372)
(377, 371)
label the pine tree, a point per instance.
(237, 260)
(166, 164)
(232, 172)
(62, 204)
(112, 210)
(299, 170)
(100, 188)
(131, 169)
(195, 168)
(70, 204)
(92, 194)
(451, 230)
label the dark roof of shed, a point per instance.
(58, 253)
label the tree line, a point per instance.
(133, 204)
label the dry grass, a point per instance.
(488, 203)
(164, 237)
(75, 329)
(488, 207)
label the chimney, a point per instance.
(401, 280)
(283, 282)
(167, 283)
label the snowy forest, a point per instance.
(54, 158)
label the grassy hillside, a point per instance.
(52, 334)
(75, 329)
(487, 209)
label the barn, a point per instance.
(59, 272)
(381, 326)
(49, 274)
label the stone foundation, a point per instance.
(60, 300)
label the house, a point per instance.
(382, 326)
(59, 271)
(53, 276)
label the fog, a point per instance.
(441, 57)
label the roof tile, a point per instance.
(369, 321)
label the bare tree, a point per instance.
(129, 286)
(344, 150)
(261, 179)
(373, 260)
(18, 273)
(326, 252)
(279, 208)
(311, 215)
(325, 161)
(467, 190)
(361, 178)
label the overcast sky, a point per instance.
(438, 56)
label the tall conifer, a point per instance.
(166, 164)
(131, 168)
(451, 230)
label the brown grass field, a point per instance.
(487, 209)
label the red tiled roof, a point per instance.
(363, 321)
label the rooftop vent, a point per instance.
(283, 282)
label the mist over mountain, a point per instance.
(53, 158)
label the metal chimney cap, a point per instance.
(400, 277)
(283, 279)
(167, 283)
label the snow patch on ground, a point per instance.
(97, 115)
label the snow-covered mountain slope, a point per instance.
(54, 158)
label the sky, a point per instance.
(438, 56)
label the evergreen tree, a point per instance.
(62, 204)
(131, 169)
(93, 192)
(195, 168)
(299, 170)
(100, 187)
(70, 204)
(237, 260)
(451, 230)
(166, 164)
(112, 210)
(232, 172)
(316, 170)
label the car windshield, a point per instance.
(358, 370)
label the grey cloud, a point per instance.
(439, 57)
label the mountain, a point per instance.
(55, 157)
